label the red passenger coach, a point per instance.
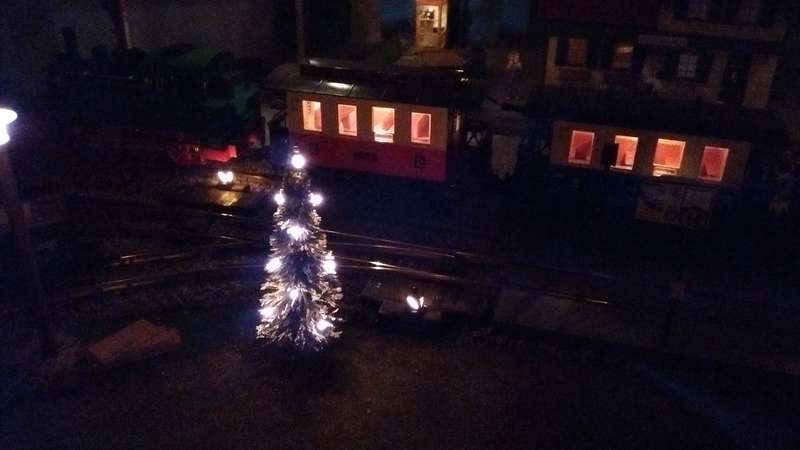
(398, 123)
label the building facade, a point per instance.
(717, 51)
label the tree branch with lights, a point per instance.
(301, 293)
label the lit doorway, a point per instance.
(431, 24)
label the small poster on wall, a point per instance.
(677, 204)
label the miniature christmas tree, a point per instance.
(298, 307)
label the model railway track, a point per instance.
(228, 271)
(135, 207)
(349, 264)
(591, 311)
(210, 172)
(245, 178)
(378, 249)
(139, 208)
(125, 206)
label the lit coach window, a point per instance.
(312, 115)
(669, 155)
(348, 120)
(627, 151)
(383, 124)
(712, 166)
(580, 147)
(420, 128)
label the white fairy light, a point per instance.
(414, 303)
(298, 161)
(6, 117)
(294, 294)
(315, 199)
(225, 176)
(329, 265)
(296, 232)
(273, 265)
(267, 312)
(279, 198)
(323, 325)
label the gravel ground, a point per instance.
(371, 390)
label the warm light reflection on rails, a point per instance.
(225, 176)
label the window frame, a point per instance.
(571, 150)
(303, 115)
(726, 152)
(377, 136)
(682, 69)
(755, 8)
(614, 64)
(568, 54)
(425, 141)
(665, 167)
(635, 140)
(354, 133)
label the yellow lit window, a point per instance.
(383, 124)
(580, 147)
(627, 151)
(712, 166)
(623, 56)
(420, 128)
(312, 115)
(669, 155)
(348, 120)
(577, 52)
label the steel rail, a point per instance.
(468, 256)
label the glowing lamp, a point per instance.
(296, 232)
(337, 85)
(6, 117)
(329, 265)
(294, 294)
(415, 303)
(225, 176)
(298, 161)
(267, 312)
(273, 265)
(315, 199)
(279, 198)
(323, 325)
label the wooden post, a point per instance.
(116, 10)
(27, 268)
(300, 26)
